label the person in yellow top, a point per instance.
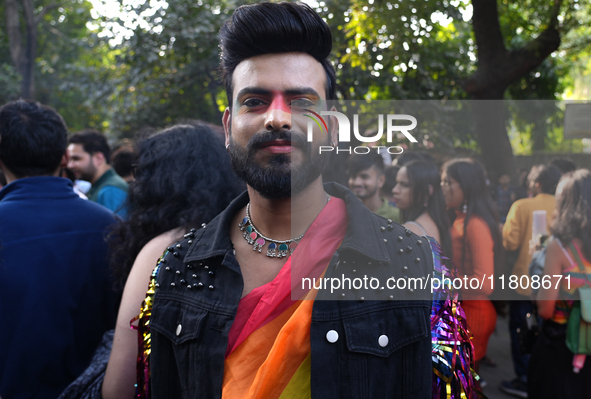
(517, 233)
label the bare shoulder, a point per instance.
(556, 260)
(139, 277)
(148, 256)
(414, 228)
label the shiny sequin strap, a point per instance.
(452, 351)
(142, 390)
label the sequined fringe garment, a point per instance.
(144, 338)
(452, 350)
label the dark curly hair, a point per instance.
(573, 205)
(183, 178)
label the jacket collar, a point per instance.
(363, 232)
(214, 238)
(38, 187)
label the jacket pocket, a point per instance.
(177, 321)
(384, 332)
(389, 353)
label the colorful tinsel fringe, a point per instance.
(144, 337)
(452, 350)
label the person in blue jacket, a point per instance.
(56, 294)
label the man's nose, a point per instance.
(357, 181)
(278, 115)
(278, 119)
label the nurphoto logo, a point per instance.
(345, 131)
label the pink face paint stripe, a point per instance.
(319, 117)
(278, 102)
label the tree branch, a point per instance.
(499, 67)
(487, 31)
(44, 11)
(531, 55)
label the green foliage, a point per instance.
(9, 83)
(65, 61)
(9, 78)
(394, 50)
(166, 68)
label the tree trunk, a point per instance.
(497, 68)
(24, 55)
(28, 67)
(490, 122)
(14, 33)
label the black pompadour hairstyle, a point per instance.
(33, 138)
(271, 28)
(92, 141)
(358, 162)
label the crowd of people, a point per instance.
(150, 271)
(455, 205)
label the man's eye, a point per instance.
(253, 102)
(302, 103)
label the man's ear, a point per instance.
(98, 158)
(334, 128)
(227, 122)
(64, 161)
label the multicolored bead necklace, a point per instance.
(275, 249)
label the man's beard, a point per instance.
(369, 193)
(277, 179)
(87, 173)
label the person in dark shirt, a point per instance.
(56, 296)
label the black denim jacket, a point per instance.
(200, 285)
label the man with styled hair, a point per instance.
(90, 160)
(232, 316)
(56, 296)
(366, 180)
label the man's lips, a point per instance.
(277, 147)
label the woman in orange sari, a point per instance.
(476, 244)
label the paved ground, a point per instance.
(499, 351)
